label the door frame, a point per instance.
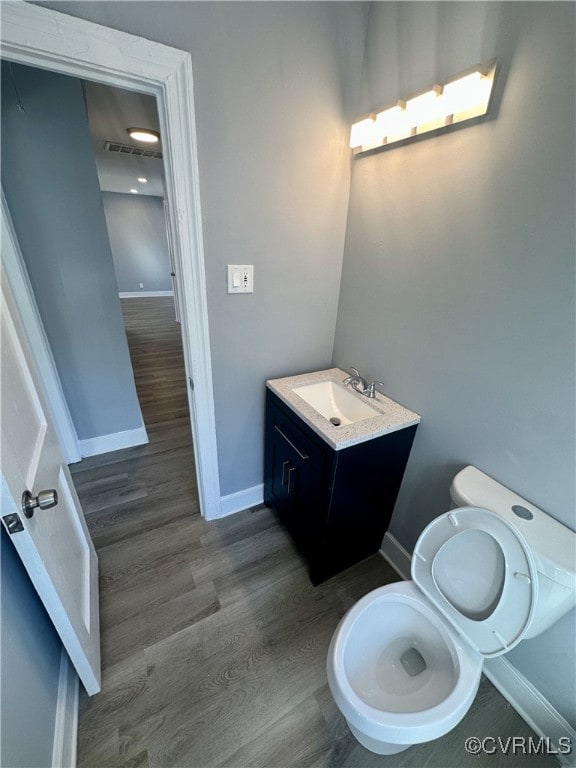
(40, 37)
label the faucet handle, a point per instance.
(353, 371)
(372, 388)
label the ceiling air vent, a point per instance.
(128, 149)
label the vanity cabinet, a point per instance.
(336, 504)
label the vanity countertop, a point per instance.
(393, 415)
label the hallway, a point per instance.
(213, 639)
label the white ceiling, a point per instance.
(111, 111)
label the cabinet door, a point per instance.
(298, 481)
(287, 464)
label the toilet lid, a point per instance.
(479, 572)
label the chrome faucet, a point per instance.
(355, 381)
(359, 383)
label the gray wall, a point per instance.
(137, 231)
(29, 668)
(458, 278)
(49, 178)
(271, 82)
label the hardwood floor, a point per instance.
(214, 641)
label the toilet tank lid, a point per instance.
(553, 545)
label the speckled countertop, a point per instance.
(393, 415)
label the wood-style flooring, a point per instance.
(214, 641)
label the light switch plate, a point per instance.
(240, 278)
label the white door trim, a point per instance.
(64, 747)
(40, 37)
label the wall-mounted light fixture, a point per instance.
(463, 97)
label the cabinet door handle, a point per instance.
(290, 476)
(291, 444)
(284, 465)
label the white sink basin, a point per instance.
(336, 403)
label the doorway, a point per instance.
(126, 61)
(132, 182)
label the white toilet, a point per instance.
(405, 662)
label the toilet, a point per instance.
(405, 662)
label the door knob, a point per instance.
(45, 500)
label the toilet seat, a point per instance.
(479, 572)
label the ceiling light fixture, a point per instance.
(142, 180)
(463, 97)
(145, 135)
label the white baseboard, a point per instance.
(396, 556)
(66, 725)
(532, 706)
(93, 446)
(236, 502)
(527, 700)
(143, 294)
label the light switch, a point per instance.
(240, 278)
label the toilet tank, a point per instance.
(553, 545)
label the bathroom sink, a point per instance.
(336, 403)
(339, 415)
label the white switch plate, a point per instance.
(240, 278)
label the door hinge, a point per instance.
(13, 523)
(191, 382)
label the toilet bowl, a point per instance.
(405, 662)
(397, 674)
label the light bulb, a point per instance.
(468, 94)
(363, 133)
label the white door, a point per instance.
(53, 543)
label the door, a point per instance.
(52, 541)
(297, 481)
